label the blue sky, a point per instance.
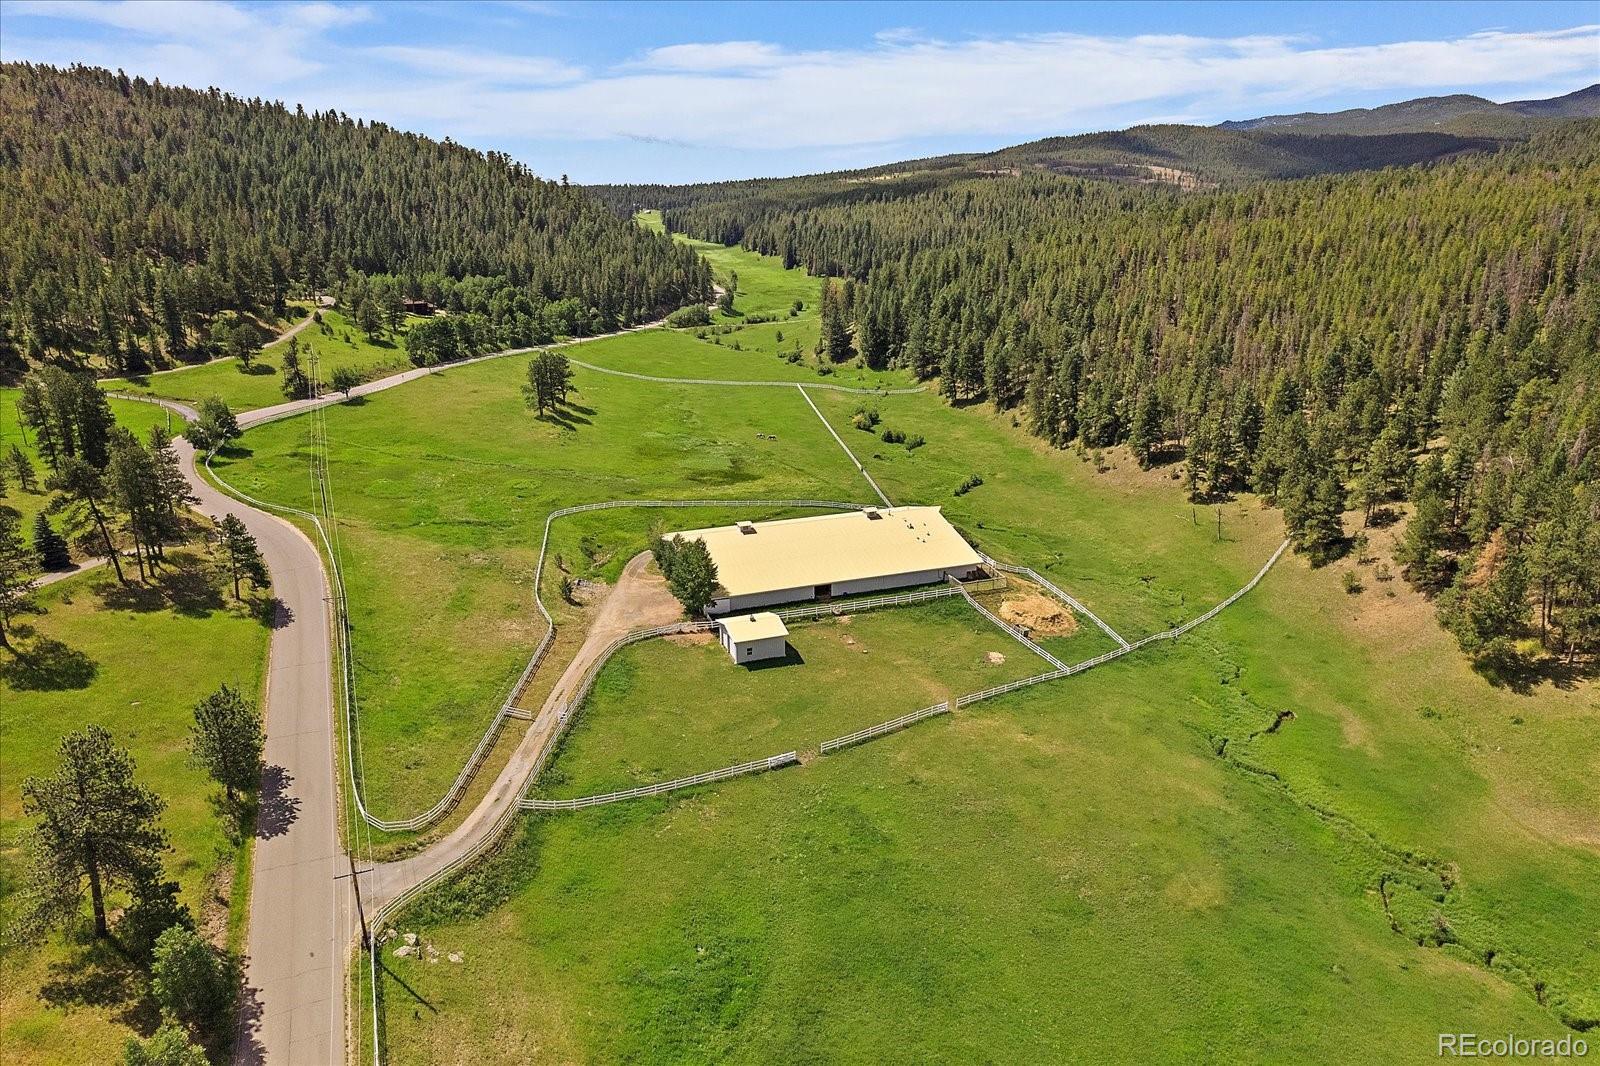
(698, 91)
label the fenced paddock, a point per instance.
(755, 766)
(872, 732)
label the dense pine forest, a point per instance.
(138, 215)
(1428, 334)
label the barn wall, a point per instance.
(769, 648)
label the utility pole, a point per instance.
(1219, 525)
(355, 881)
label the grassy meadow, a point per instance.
(1306, 832)
(677, 707)
(680, 354)
(439, 523)
(334, 342)
(134, 660)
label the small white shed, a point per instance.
(750, 638)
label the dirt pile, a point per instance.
(1039, 614)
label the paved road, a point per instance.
(292, 330)
(303, 921)
(295, 407)
(301, 908)
(638, 599)
(51, 577)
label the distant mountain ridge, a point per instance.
(1274, 147)
(1460, 113)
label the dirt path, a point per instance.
(639, 599)
(292, 330)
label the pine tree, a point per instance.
(296, 386)
(20, 468)
(86, 503)
(227, 739)
(238, 554)
(1145, 432)
(834, 335)
(49, 547)
(94, 824)
(691, 574)
(16, 576)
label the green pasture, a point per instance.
(441, 489)
(1305, 832)
(134, 660)
(678, 706)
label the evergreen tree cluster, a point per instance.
(1312, 340)
(110, 489)
(137, 214)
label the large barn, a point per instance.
(760, 564)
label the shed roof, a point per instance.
(746, 627)
(826, 549)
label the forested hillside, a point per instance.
(137, 213)
(1428, 333)
(1458, 114)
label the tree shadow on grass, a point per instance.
(1523, 676)
(48, 665)
(258, 370)
(234, 451)
(567, 416)
(185, 588)
(96, 974)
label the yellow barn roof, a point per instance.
(758, 557)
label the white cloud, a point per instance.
(721, 56)
(492, 67)
(899, 86)
(763, 96)
(190, 42)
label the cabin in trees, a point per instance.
(764, 563)
(753, 638)
(418, 307)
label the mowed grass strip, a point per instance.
(442, 488)
(679, 706)
(135, 661)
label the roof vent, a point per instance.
(746, 527)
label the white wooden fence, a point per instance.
(897, 599)
(755, 766)
(1017, 634)
(872, 732)
(1051, 587)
